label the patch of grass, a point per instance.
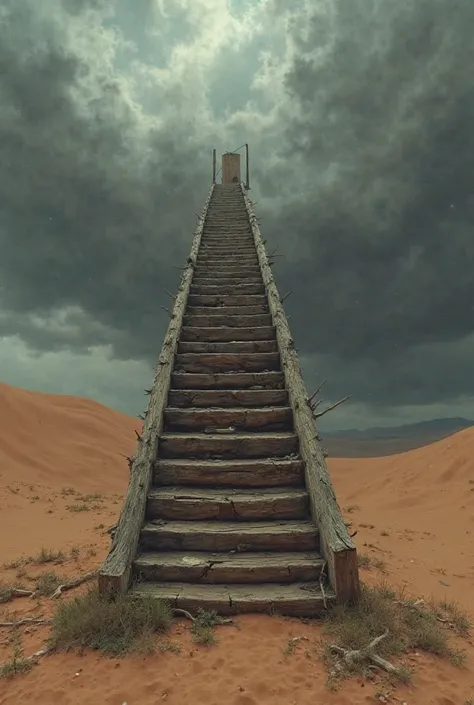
(68, 491)
(7, 590)
(82, 507)
(410, 625)
(16, 665)
(366, 561)
(113, 627)
(170, 646)
(75, 551)
(202, 627)
(47, 582)
(46, 555)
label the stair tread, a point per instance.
(292, 599)
(203, 558)
(280, 526)
(234, 495)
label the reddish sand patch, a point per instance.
(61, 484)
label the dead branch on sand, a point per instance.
(353, 656)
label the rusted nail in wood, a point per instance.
(138, 435)
(141, 416)
(170, 314)
(148, 391)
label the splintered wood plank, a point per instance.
(228, 380)
(238, 321)
(237, 346)
(256, 310)
(242, 536)
(295, 599)
(242, 288)
(265, 472)
(223, 280)
(223, 334)
(224, 398)
(202, 363)
(115, 573)
(276, 418)
(216, 260)
(182, 503)
(226, 300)
(337, 545)
(212, 568)
(222, 445)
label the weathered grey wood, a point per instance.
(234, 289)
(203, 363)
(217, 259)
(337, 546)
(224, 398)
(215, 568)
(230, 473)
(227, 300)
(263, 319)
(228, 380)
(230, 536)
(278, 418)
(227, 268)
(222, 334)
(115, 572)
(224, 282)
(232, 445)
(296, 600)
(256, 310)
(184, 503)
(237, 346)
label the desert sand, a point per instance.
(62, 479)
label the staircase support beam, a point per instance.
(115, 572)
(337, 546)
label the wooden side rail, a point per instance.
(115, 573)
(337, 546)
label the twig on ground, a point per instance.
(353, 656)
(19, 592)
(27, 620)
(74, 583)
(184, 613)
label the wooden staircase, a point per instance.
(222, 511)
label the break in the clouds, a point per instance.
(359, 119)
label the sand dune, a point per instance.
(61, 485)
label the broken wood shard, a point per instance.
(230, 506)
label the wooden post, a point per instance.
(214, 164)
(231, 168)
(337, 546)
(247, 177)
(115, 572)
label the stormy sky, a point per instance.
(359, 117)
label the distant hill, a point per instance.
(379, 441)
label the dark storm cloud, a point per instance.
(380, 143)
(96, 202)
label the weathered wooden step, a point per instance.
(295, 599)
(263, 319)
(268, 472)
(227, 300)
(227, 445)
(223, 398)
(222, 334)
(233, 275)
(242, 536)
(228, 267)
(238, 346)
(218, 568)
(228, 288)
(257, 310)
(226, 362)
(228, 380)
(278, 418)
(205, 504)
(217, 250)
(219, 279)
(215, 259)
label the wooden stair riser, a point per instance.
(236, 445)
(278, 418)
(243, 346)
(207, 505)
(223, 568)
(297, 536)
(228, 380)
(234, 289)
(227, 300)
(202, 363)
(208, 398)
(295, 600)
(260, 320)
(237, 284)
(258, 310)
(229, 473)
(223, 334)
